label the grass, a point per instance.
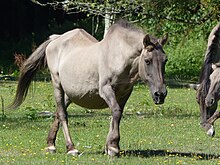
(150, 134)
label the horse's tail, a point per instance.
(35, 62)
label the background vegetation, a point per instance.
(27, 23)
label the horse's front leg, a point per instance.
(112, 142)
(208, 117)
(205, 112)
(214, 117)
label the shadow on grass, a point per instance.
(152, 153)
(163, 153)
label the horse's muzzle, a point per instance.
(159, 97)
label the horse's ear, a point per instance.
(214, 66)
(164, 39)
(146, 41)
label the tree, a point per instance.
(175, 15)
(160, 15)
(108, 9)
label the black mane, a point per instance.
(212, 56)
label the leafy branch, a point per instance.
(100, 8)
(189, 12)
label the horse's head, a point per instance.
(214, 90)
(152, 67)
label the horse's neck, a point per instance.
(126, 50)
(133, 74)
(134, 40)
(137, 44)
(128, 43)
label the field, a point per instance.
(150, 134)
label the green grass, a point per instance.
(150, 134)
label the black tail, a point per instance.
(29, 69)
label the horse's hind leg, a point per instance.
(54, 129)
(61, 117)
(51, 138)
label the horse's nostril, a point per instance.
(209, 101)
(160, 94)
(212, 101)
(157, 94)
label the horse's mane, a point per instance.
(212, 56)
(124, 24)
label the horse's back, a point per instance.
(65, 44)
(76, 37)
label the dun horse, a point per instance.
(207, 104)
(96, 74)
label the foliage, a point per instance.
(188, 12)
(31, 113)
(96, 7)
(185, 59)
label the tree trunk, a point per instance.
(109, 20)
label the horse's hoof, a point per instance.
(73, 152)
(111, 151)
(211, 131)
(51, 149)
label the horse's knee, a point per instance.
(62, 116)
(117, 114)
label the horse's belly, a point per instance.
(80, 82)
(85, 95)
(90, 101)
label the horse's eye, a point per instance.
(150, 48)
(147, 61)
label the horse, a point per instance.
(208, 111)
(96, 74)
(213, 94)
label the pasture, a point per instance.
(150, 134)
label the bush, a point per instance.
(185, 59)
